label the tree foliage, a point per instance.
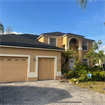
(69, 54)
(95, 54)
(82, 3)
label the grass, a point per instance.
(95, 86)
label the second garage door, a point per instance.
(13, 69)
(45, 68)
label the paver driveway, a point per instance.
(50, 92)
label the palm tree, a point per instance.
(82, 3)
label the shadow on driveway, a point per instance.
(31, 95)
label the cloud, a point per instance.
(13, 33)
(90, 0)
(79, 25)
(94, 0)
(103, 47)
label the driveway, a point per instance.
(50, 92)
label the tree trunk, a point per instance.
(65, 63)
(100, 61)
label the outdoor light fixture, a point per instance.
(59, 59)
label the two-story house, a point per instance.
(28, 57)
(69, 41)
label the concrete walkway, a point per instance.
(50, 92)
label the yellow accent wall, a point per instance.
(41, 39)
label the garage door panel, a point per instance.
(45, 68)
(13, 69)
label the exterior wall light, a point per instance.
(33, 58)
(59, 59)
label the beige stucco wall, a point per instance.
(32, 53)
(63, 42)
(46, 38)
(90, 44)
(81, 53)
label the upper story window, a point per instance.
(84, 45)
(53, 41)
(85, 61)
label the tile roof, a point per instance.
(54, 33)
(31, 36)
(21, 41)
(71, 34)
(61, 34)
(85, 39)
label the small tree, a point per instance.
(68, 54)
(9, 30)
(95, 54)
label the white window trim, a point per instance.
(56, 73)
(87, 47)
(87, 61)
(13, 55)
(49, 40)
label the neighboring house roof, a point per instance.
(54, 33)
(31, 36)
(21, 41)
(85, 39)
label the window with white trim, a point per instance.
(85, 61)
(84, 45)
(52, 41)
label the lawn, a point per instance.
(95, 86)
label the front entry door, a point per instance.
(71, 64)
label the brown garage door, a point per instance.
(45, 68)
(13, 69)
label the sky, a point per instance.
(41, 16)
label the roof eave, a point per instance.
(39, 36)
(32, 48)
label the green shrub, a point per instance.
(102, 74)
(68, 74)
(81, 69)
(84, 77)
(71, 74)
(96, 76)
(96, 68)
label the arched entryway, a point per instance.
(73, 44)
